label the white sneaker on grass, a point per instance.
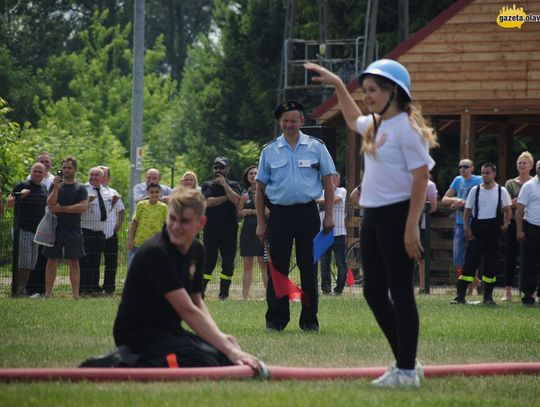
(417, 366)
(384, 376)
(395, 377)
(419, 369)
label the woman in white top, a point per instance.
(524, 165)
(396, 142)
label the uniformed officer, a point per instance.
(289, 177)
(221, 230)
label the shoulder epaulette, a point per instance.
(270, 142)
(315, 138)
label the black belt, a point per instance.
(293, 205)
(94, 231)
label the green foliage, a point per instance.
(95, 78)
(35, 30)
(15, 158)
(179, 22)
(32, 32)
(252, 55)
(70, 133)
(94, 122)
(199, 130)
(243, 154)
(160, 93)
(227, 93)
(18, 87)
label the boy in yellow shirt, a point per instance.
(150, 216)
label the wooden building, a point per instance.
(472, 77)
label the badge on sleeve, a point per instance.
(192, 269)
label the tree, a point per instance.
(93, 122)
(200, 128)
(251, 39)
(179, 22)
(32, 32)
(15, 158)
(35, 31)
(19, 86)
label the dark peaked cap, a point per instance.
(287, 106)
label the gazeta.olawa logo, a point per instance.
(515, 17)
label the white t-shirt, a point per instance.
(91, 217)
(529, 195)
(400, 149)
(339, 212)
(487, 205)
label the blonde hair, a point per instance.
(196, 186)
(528, 156)
(182, 198)
(413, 110)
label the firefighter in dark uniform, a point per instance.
(292, 171)
(490, 204)
(221, 229)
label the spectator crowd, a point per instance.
(89, 216)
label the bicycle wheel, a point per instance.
(354, 262)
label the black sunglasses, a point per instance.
(219, 167)
(464, 167)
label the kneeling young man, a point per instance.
(163, 288)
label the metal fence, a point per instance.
(439, 281)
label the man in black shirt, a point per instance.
(67, 199)
(220, 233)
(163, 288)
(32, 198)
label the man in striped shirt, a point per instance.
(93, 222)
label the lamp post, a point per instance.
(137, 100)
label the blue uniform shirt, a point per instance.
(294, 176)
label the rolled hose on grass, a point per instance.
(246, 372)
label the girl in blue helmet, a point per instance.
(395, 144)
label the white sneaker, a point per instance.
(417, 366)
(419, 369)
(384, 376)
(395, 377)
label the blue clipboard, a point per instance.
(321, 243)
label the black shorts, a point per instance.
(71, 241)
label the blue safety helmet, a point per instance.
(392, 70)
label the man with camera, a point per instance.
(220, 232)
(68, 199)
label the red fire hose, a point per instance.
(245, 372)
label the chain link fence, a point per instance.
(440, 276)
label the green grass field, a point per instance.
(62, 332)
